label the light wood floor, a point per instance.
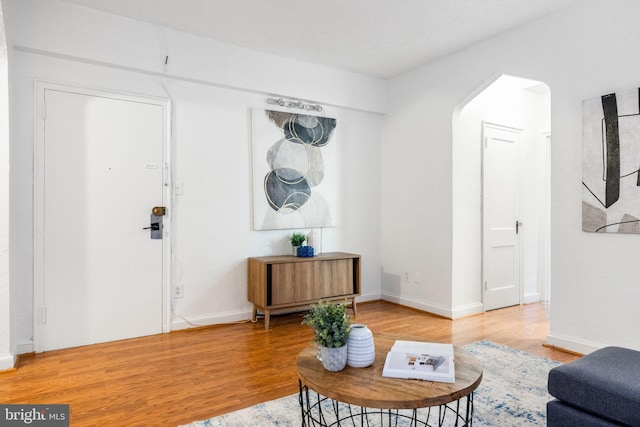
(177, 378)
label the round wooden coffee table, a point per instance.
(363, 394)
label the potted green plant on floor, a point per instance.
(297, 239)
(331, 326)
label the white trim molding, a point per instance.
(7, 362)
(420, 305)
(532, 297)
(467, 310)
(180, 322)
(574, 344)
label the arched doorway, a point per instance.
(521, 105)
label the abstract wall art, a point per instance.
(611, 163)
(294, 170)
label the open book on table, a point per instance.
(420, 360)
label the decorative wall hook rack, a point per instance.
(294, 104)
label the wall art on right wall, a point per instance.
(611, 163)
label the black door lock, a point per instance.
(155, 225)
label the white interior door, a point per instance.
(501, 232)
(99, 172)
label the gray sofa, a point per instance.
(599, 389)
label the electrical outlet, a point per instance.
(178, 291)
(417, 277)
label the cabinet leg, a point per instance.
(353, 306)
(267, 318)
(254, 315)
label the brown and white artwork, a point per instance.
(294, 170)
(611, 163)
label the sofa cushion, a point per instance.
(605, 382)
(560, 414)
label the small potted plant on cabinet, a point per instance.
(331, 326)
(297, 239)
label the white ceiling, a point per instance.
(380, 38)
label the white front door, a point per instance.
(502, 230)
(99, 172)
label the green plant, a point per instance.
(330, 323)
(297, 239)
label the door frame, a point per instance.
(485, 125)
(39, 292)
(544, 282)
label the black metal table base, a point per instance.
(321, 411)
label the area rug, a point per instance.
(513, 392)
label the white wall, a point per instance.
(213, 87)
(585, 51)
(6, 320)
(516, 103)
(416, 195)
(581, 52)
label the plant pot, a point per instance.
(333, 359)
(295, 250)
(305, 251)
(361, 351)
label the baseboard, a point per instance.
(7, 362)
(448, 312)
(467, 310)
(369, 297)
(25, 348)
(531, 298)
(419, 305)
(186, 322)
(573, 344)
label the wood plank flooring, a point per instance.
(177, 378)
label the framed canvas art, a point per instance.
(294, 170)
(611, 163)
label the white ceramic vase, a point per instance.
(333, 359)
(361, 351)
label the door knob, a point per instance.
(518, 225)
(153, 226)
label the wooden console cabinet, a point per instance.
(282, 282)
